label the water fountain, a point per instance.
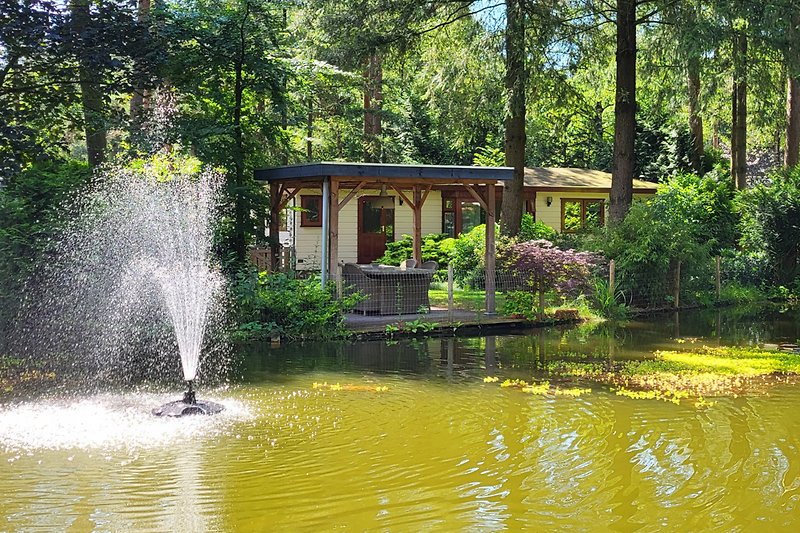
(132, 274)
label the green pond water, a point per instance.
(438, 450)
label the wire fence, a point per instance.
(397, 291)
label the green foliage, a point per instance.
(747, 268)
(531, 230)
(691, 219)
(520, 303)
(32, 210)
(486, 156)
(610, 304)
(435, 247)
(276, 304)
(770, 215)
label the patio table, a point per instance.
(400, 291)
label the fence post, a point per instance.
(612, 278)
(339, 281)
(450, 291)
(719, 280)
(677, 295)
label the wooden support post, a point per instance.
(677, 294)
(417, 225)
(275, 194)
(333, 231)
(450, 291)
(490, 249)
(612, 274)
(718, 278)
(324, 264)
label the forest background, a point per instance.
(652, 89)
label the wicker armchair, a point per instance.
(354, 280)
(408, 263)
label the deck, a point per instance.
(460, 321)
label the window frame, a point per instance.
(583, 202)
(459, 197)
(305, 222)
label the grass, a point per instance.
(475, 301)
(466, 299)
(679, 375)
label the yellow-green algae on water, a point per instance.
(674, 375)
(708, 371)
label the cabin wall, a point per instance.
(308, 240)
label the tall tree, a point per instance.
(90, 82)
(226, 60)
(695, 120)
(739, 108)
(791, 155)
(515, 135)
(140, 83)
(624, 159)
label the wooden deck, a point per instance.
(459, 321)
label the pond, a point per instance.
(407, 436)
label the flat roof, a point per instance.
(578, 178)
(383, 171)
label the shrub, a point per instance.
(531, 230)
(649, 243)
(277, 304)
(435, 247)
(746, 268)
(542, 267)
(32, 206)
(770, 215)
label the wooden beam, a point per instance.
(274, 226)
(404, 197)
(285, 201)
(477, 196)
(333, 230)
(425, 195)
(490, 249)
(417, 225)
(352, 194)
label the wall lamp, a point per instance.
(549, 201)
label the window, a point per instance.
(449, 217)
(472, 214)
(311, 214)
(461, 212)
(581, 213)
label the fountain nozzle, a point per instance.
(189, 405)
(188, 396)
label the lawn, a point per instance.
(466, 299)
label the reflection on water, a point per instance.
(440, 450)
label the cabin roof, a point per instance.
(576, 178)
(383, 171)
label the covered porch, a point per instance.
(335, 185)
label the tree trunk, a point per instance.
(739, 140)
(790, 155)
(310, 130)
(515, 136)
(734, 131)
(91, 97)
(624, 113)
(791, 56)
(240, 222)
(373, 102)
(139, 85)
(695, 122)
